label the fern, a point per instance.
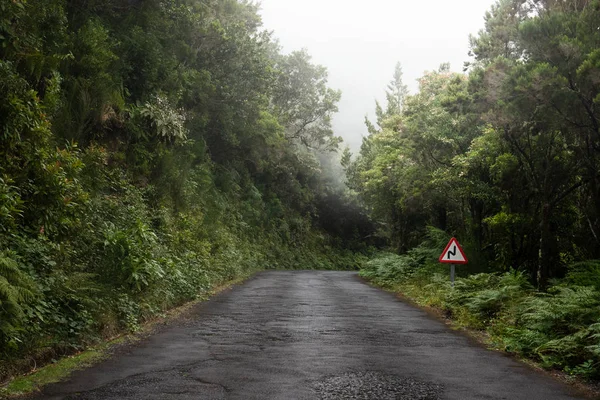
(167, 121)
(585, 273)
(487, 294)
(16, 288)
(389, 268)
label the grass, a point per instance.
(55, 372)
(464, 321)
(557, 330)
(61, 369)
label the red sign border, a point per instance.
(441, 259)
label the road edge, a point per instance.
(580, 387)
(25, 385)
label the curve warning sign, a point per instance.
(453, 253)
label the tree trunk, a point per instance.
(545, 249)
(593, 222)
(477, 222)
(442, 218)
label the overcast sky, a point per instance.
(360, 42)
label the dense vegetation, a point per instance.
(504, 157)
(559, 328)
(150, 150)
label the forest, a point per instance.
(505, 158)
(151, 150)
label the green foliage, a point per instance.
(486, 295)
(558, 328)
(168, 123)
(506, 156)
(16, 290)
(11, 204)
(304, 103)
(147, 154)
(388, 268)
(585, 273)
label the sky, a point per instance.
(360, 42)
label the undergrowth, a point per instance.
(559, 328)
(125, 263)
(150, 151)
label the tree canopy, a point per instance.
(505, 156)
(150, 150)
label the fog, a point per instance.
(360, 43)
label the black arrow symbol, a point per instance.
(452, 252)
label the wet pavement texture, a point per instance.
(308, 335)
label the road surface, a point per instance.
(308, 335)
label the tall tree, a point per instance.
(396, 93)
(304, 103)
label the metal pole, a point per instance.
(452, 274)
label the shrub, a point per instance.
(16, 290)
(559, 328)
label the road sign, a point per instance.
(453, 253)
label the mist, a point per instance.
(360, 43)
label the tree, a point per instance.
(396, 93)
(303, 102)
(506, 156)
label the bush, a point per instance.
(585, 273)
(559, 328)
(182, 177)
(16, 291)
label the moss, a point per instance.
(63, 368)
(55, 372)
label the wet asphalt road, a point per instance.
(308, 335)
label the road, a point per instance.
(308, 335)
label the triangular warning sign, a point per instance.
(453, 253)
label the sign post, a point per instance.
(453, 254)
